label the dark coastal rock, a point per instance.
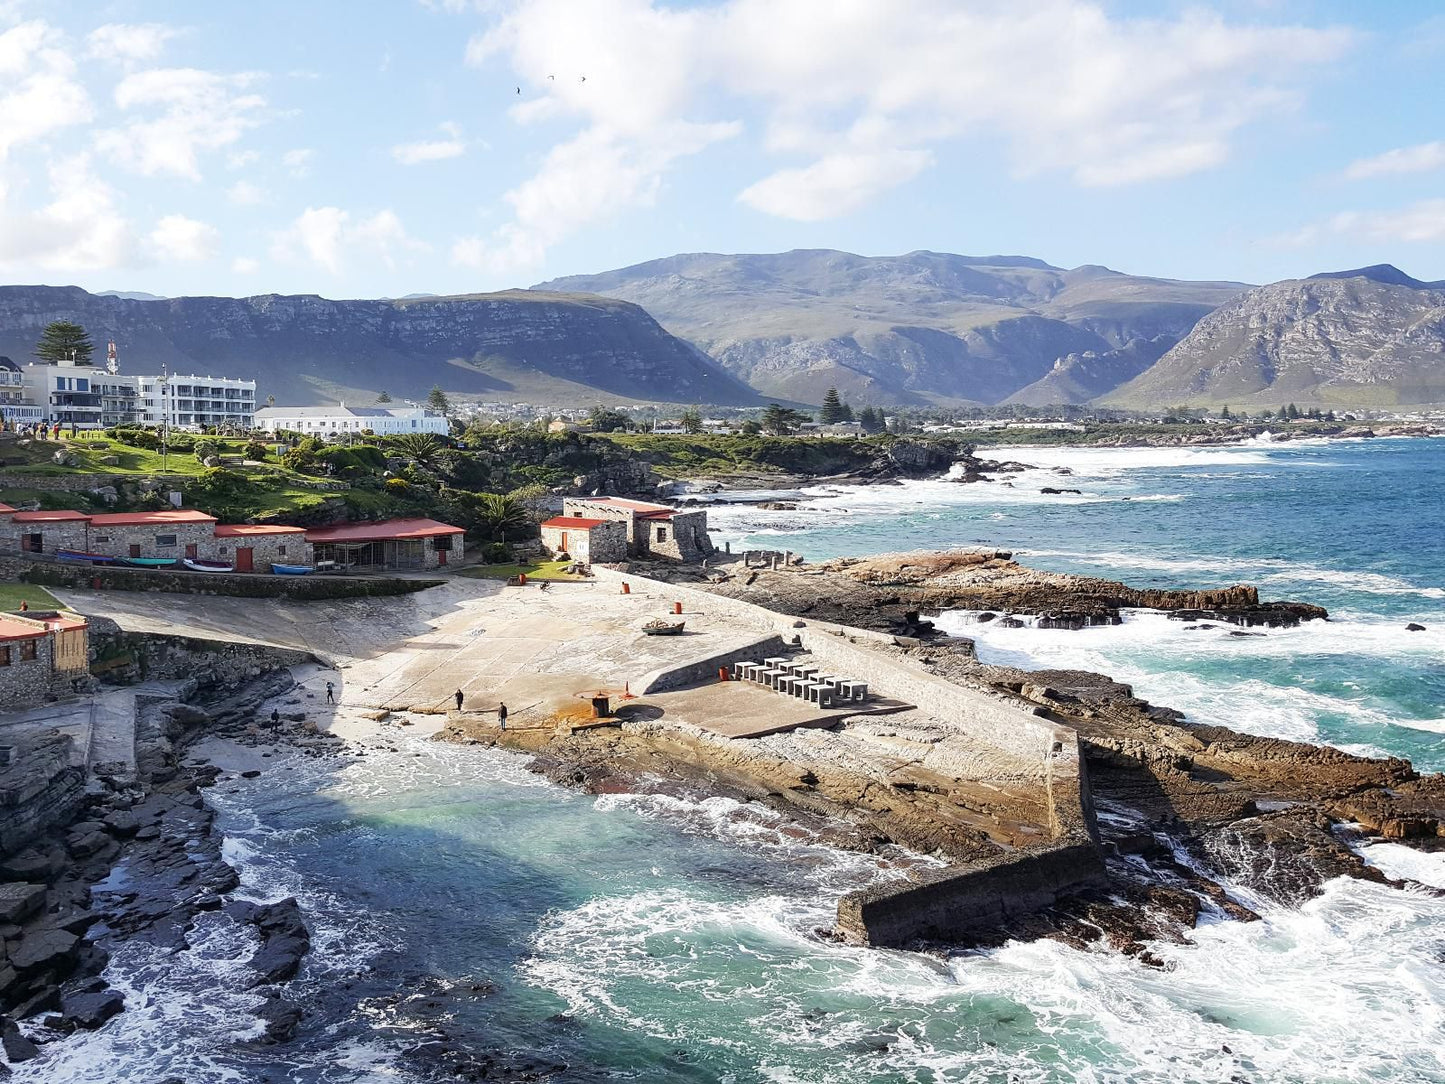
(1058, 492)
(17, 1047)
(281, 1017)
(89, 1011)
(285, 940)
(44, 950)
(1414, 626)
(18, 901)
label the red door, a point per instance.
(441, 557)
(565, 548)
(191, 551)
(243, 559)
(135, 551)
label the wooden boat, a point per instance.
(196, 565)
(92, 558)
(292, 570)
(150, 562)
(658, 627)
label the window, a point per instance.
(662, 534)
(101, 538)
(165, 540)
(5, 655)
(28, 651)
(223, 550)
(82, 384)
(281, 550)
(442, 543)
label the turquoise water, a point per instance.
(661, 938)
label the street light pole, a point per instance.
(165, 422)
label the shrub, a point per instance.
(397, 485)
(498, 553)
(256, 450)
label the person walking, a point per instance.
(502, 715)
(330, 693)
(275, 716)
(459, 700)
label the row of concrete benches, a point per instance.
(803, 679)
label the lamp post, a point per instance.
(165, 422)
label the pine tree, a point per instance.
(63, 341)
(832, 411)
(1293, 412)
(437, 400)
(1225, 414)
(692, 420)
(384, 397)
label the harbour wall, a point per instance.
(954, 899)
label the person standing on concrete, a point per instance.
(459, 700)
(502, 715)
(330, 693)
(275, 716)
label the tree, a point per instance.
(385, 396)
(1293, 412)
(833, 411)
(498, 513)
(437, 400)
(421, 448)
(63, 341)
(1225, 414)
(692, 420)
(751, 428)
(603, 420)
(872, 420)
(780, 420)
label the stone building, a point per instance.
(42, 656)
(388, 544)
(653, 530)
(586, 540)
(174, 533)
(47, 532)
(255, 547)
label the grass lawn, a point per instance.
(13, 594)
(533, 570)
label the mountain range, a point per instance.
(927, 327)
(514, 346)
(923, 328)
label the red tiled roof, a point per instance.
(623, 502)
(140, 519)
(383, 531)
(661, 513)
(48, 517)
(575, 521)
(18, 630)
(244, 530)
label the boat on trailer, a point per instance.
(208, 566)
(292, 570)
(89, 558)
(150, 562)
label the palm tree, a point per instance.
(420, 448)
(499, 513)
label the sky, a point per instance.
(393, 147)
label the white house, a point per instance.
(330, 422)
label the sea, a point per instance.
(464, 908)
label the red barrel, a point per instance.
(627, 588)
(677, 607)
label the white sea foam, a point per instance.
(1157, 656)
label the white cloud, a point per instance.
(298, 161)
(245, 194)
(1423, 221)
(245, 265)
(432, 150)
(196, 111)
(859, 96)
(330, 238)
(138, 43)
(183, 239)
(80, 229)
(242, 159)
(1420, 158)
(39, 94)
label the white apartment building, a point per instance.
(16, 408)
(333, 422)
(92, 397)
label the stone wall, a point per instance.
(23, 681)
(953, 900)
(64, 534)
(118, 657)
(290, 548)
(183, 581)
(604, 543)
(150, 539)
(686, 538)
(746, 649)
(581, 506)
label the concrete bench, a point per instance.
(853, 690)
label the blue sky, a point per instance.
(380, 149)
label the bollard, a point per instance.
(522, 578)
(626, 588)
(722, 673)
(677, 607)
